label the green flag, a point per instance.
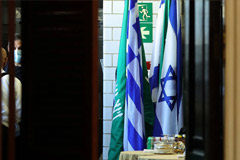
(165, 26)
(147, 99)
(116, 142)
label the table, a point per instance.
(133, 155)
(140, 155)
(160, 157)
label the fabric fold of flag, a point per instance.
(134, 128)
(139, 109)
(179, 70)
(169, 119)
(155, 63)
(157, 59)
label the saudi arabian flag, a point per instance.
(116, 143)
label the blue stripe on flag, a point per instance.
(136, 26)
(132, 4)
(134, 92)
(157, 130)
(155, 78)
(131, 55)
(179, 70)
(173, 15)
(134, 138)
(162, 2)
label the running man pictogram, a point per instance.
(144, 11)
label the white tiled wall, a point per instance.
(107, 34)
(118, 6)
(112, 20)
(107, 114)
(116, 33)
(107, 60)
(112, 23)
(107, 86)
(108, 100)
(110, 46)
(107, 6)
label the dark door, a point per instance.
(60, 71)
(203, 66)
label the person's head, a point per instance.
(4, 57)
(17, 42)
(17, 50)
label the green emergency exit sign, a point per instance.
(145, 18)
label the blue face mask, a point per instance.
(17, 56)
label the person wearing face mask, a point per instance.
(17, 57)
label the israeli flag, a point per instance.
(134, 138)
(155, 63)
(169, 108)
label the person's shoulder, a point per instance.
(4, 75)
(17, 80)
(5, 79)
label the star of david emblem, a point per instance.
(169, 99)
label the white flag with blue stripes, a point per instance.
(155, 63)
(134, 114)
(169, 106)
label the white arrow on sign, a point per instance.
(144, 32)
